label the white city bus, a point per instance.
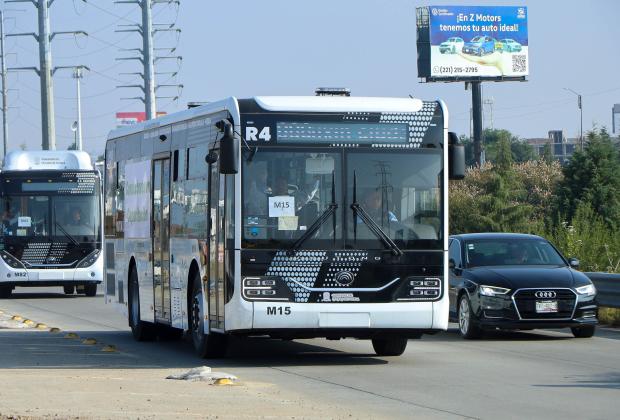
(293, 217)
(51, 231)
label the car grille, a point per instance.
(525, 301)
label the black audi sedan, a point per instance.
(517, 282)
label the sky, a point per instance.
(245, 48)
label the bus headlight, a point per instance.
(10, 260)
(266, 288)
(90, 259)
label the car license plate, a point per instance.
(546, 306)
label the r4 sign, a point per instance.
(254, 134)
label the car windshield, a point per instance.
(507, 41)
(477, 39)
(498, 252)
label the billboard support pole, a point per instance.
(476, 105)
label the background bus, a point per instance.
(329, 219)
(51, 222)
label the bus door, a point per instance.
(161, 241)
(216, 248)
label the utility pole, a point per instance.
(476, 104)
(5, 124)
(147, 29)
(490, 102)
(580, 106)
(44, 38)
(77, 75)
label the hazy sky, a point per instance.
(245, 48)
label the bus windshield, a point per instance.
(286, 191)
(62, 211)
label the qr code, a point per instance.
(519, 63)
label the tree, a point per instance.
(547, 155)
(591, 177)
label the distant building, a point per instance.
(562, 147)
(615, 119)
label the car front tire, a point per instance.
(586, 331)
(467, 326)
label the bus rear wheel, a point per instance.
(142, 331)
(69, 290)
(212, 345)
(389, 346)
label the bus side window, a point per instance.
(179, 172)
(175, 166)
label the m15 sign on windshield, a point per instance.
(471, 42)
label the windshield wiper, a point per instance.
(358, 211)
(71, 238)
(329, 211)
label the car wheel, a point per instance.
(586, 331)
(212, 345)
(5, 292)
(467, 326)
(69, 290)
(90, 290)
(390, 346)
(141, 330)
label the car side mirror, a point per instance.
(573, 262)
(456, 157)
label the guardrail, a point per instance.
(607, 287)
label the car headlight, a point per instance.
(587, 290)
(493, 291)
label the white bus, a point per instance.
(292, 217)
(51, 231)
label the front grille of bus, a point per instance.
(39, 254)
(525, 301)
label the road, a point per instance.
(536, 374)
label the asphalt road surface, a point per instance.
(534, 374)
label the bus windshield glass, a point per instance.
(62, 210)
(286, 191)
(401, 193)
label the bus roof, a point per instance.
(46, 160)
(281, 104)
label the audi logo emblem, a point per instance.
(541, 294)
(344, 278)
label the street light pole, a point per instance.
(579, 105)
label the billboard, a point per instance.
(472, 43)
(129, 118)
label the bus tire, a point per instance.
(90, 290)
(389, 346)
(141, 330)
(69, 290)
(5, 292)
(211, 345)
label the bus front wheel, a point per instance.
(142, 331)
(211, 345)
(90, 290)
(69, 290)
(389, 346)
(5, 292)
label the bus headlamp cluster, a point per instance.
(10, 260)
(90, 259)
(265, 288)
(423, 288)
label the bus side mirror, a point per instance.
(456, 157)
(229, 149)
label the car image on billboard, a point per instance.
(472, 42)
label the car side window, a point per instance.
(454, 253)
